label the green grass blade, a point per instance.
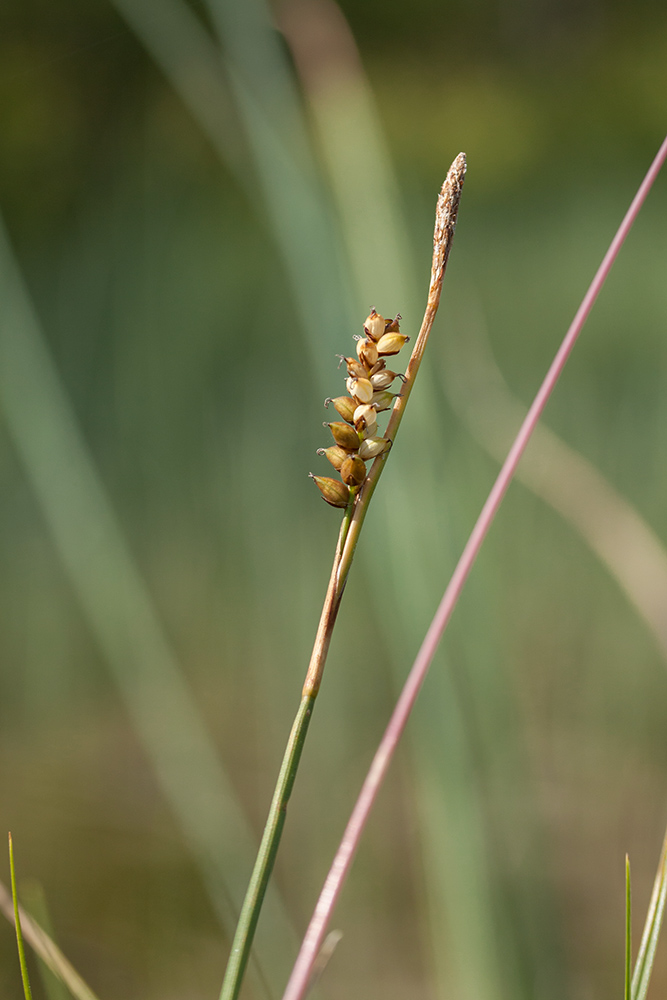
(628, 931)
(17, 924)
(45, 948)
(644, 965)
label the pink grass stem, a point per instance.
(299, 980)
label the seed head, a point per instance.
(356, 438)
(332, 490)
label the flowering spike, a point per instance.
(356, 438)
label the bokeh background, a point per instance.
(200, 202)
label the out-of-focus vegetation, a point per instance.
(163, 556)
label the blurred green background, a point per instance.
(200, 204)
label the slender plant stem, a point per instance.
(266, 855)
(298, 984)
(268, 848)
(628, 931)
(355, 513)
(17, 924)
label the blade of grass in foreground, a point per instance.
(17, 924)
(301, 974)
(644, 965)
(628, 931)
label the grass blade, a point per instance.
(45, 947)
(644, 965)
(17, 924)
(628, 931)
(606, 520)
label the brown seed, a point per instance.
(353, 471)
(391, 343)
(374, 325)
(332, 490)
(344, 435)
(392, 324)
(335, 454)
(344, 405)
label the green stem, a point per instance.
(355, 512)
(17, 923)
(266, 856)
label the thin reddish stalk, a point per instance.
(301, 973)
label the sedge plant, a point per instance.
(355, 441)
